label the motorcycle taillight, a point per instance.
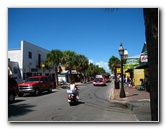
(70, 97)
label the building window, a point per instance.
(30, 55)
(39, 60)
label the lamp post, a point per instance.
(121, 52)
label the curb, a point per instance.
(125, 103)
(112, 98)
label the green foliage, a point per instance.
(113, 61)
(71, 60)
(54, 58)
(93, 70)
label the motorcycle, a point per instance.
(72, 98)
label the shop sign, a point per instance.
(144, 58)
(132, 61)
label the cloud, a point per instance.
(101, 64)
(90, 61)
(104, 65)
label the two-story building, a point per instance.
(29, 58)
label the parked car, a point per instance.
(12, 89)
(52, 80)
(99, 81)
(35, 84)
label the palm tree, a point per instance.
(69, 60)
(54, 58)
(81, 64)
(113, 61)
(93, 70)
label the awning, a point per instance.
(142, 66)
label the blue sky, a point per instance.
(93, 32)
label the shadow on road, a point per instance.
(17, 110)
(41, 94)
(78, 103)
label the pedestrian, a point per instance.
(146, 83)
(128, 81)
(125, 81)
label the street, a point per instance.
(94, 105)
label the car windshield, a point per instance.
(32, 80)
(98, 79)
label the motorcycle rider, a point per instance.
(74, 88)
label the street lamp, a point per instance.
(121, 52)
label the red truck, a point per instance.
(35, 84)
(12, 89)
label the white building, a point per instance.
(29, 58)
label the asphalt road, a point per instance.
(94, 106)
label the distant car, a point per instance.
(35, 84)
(12, 89)
(99, 81)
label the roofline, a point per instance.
(13, 49)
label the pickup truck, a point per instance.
(35, 84)
(12, 89)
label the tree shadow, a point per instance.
(16, 101)
(41, 94)
(18, 110)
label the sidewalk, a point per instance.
(132, 94)
(137, 101)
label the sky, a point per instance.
(93, 32)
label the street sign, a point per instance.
(118, 70)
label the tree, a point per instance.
(54, 58)
(93, 70)
(112, 62)
(151, 27)
(69, 60)
(81, 64)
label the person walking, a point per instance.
(146, 83)
(128, 81)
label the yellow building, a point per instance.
(137, 66)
